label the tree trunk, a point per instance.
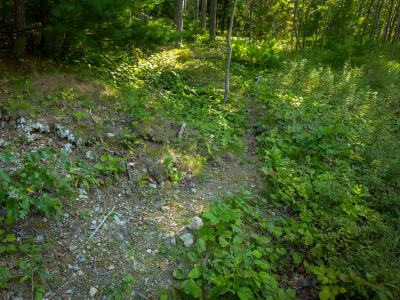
(213, 19)
(20, 41)
(394, 21)
(387, 25)
(179, 22)
(396, 36)
(51, 40)
(196, 12)
(323, 31)
(295, 29)
(376, 19)
(223, 16)
(251, 19)
(203, 16)
(228, 62)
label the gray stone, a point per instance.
(187, 239)
(120, 237)
(92, 291)
(72, 248)
(157, 172)
(152, 185)
(195, 223)
(110, 135)
(39, 238)
(173, 242)
(80, 258)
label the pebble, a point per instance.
(173, 242)
(195, 223)
(39, 238)
(44, 220)
(165, 235)
(148, 251)
(110, 134)
(175, 197)
(80, 258)
(112, 267)
(152, 185)
(120, 237)
(92, 291)
(72, 248)
(172, 234)
(187, 239)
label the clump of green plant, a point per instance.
(171, 170)
(228, 259)
(118, 291)
(31, 271)
(113, 165)
(31, 182)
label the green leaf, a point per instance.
(201, 245)
(163, 296)
(217, 291)
(297, 257)
(193, 257)
(257, 253)
(223, 242)
(11, 247)
(324, 295)
(10, 238)
(195, 273)
(237, 240)
(189, 286)
(99, 166)
(25, 278)
(128, 278)
(179, 274)
(290, 293)
(245, 293)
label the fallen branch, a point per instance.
(101, 223)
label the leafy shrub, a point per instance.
(31, 181)
(260, 54)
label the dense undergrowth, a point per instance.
(331, 151)
(330, 145)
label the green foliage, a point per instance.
(171, 170)
(255, 53)
(326, 155)
(32, 180)
(236, 261)
(112, 167)
(31, 271)
(119, 290)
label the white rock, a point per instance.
(72, 248)
(187, 239)
(195, 223)
(110, 268)
(148, 251)
(92, 291)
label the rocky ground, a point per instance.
(145, 224)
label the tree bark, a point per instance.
(228, 62)
(20, 41)
(396, 36)
(51, 40)
(203, 16)
(179, 22)
(222, 25)
(251, 19)
(196, 12)
(213, 19)
(394, 21)
(295, 29)
(387, 25)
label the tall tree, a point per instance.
(251, 19)
(213, 19)
(203, 17)
(20, 41)
(295, 29)
(228, 61)
(396, 36)
(196, 12)
(389, 17)
(179, 21)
